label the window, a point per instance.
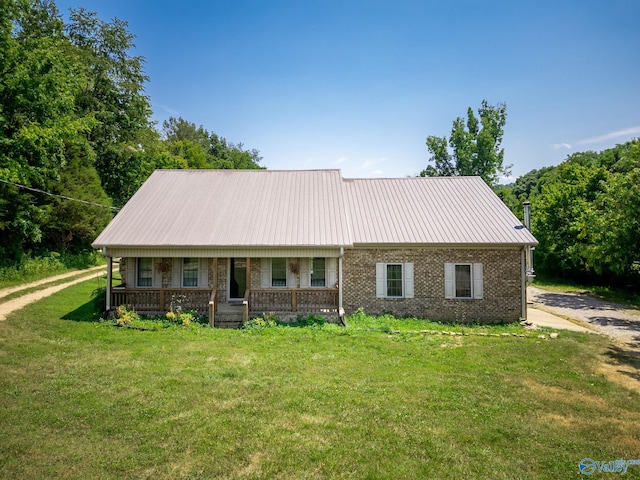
(145, 272)
(463, 280)
(190, 272)
(318, 272)
(394, 280)
(278, 272)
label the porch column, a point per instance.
(109, 277)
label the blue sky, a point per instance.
(358, 85)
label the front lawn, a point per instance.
(80, 399)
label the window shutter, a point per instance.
(292, 279)
(132, 272)
(176, 273)
(407, 272)
(478, 287)
(203, 273)
(449, 280)
(331, 271)
(265, 272)
(157, 274)
(381, 284)
(305, 273)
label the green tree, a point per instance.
(475, 145)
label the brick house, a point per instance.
(237, 243)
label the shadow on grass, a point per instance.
(84, 313)
(626, 356)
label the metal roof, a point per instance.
(431, 210)
(297, 208)
(233, 208)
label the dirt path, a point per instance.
(9, 290)
(17, 303)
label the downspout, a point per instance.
(529, 248)
(109, 279)
(523, 283)
(340, 309)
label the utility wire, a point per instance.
(59, 196)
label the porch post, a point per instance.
(109, 277)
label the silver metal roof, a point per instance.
(297, 208)
(431, 210)
(233, 208)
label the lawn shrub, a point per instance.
(125, 315)
(267, 320)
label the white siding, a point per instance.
(305, 273)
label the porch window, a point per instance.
(278, 272)
(318, 272)
(190, 272)
(145, 272)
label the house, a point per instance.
(244, 242)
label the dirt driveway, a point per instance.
(619, 322)
(616, 321)
(6, 307)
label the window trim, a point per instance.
(382, 282)
(197, 270)
(311, 269)
(476, 279)
(455, 281)
(285, 273)
(138, 271)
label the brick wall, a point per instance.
(501, 281)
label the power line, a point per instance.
(58, 196)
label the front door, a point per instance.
(237, 278)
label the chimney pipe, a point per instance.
(527, 215)
(529, 257)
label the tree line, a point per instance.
(75, 123)
(585, 211)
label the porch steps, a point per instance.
(228, 316)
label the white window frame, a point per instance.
(285, 273)
(311, 270)
(138, 271)
(450, 286)
(197, 262)
(382, 285)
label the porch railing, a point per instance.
(162, 299)
(294, 300)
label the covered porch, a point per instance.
(228, 290)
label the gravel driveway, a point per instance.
(620, 322)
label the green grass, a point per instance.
(81, 399)
(617, 295)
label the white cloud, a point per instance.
(627, 132)
(558, 146)
(341, 160)
(169, 110)
(378, 172)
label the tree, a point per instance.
(475, 146)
